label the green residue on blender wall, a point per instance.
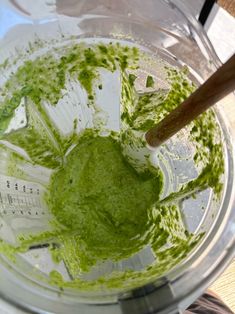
(42, 81)
(141, 112)
(205, 132)
(103, 209)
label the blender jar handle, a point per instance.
(205, 11)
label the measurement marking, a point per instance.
(26, 201)
(38, 203)
(18, 200)
(9, 197)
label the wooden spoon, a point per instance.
(221, 83)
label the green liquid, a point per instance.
(103, 200)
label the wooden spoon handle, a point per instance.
(221, 83)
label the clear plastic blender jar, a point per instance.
(165, 28)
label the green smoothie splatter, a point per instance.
(43, 80)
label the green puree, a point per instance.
(101, 198)
(103, 209)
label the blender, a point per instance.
(165, 28)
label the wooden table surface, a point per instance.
(228, 5)
(224, 286)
